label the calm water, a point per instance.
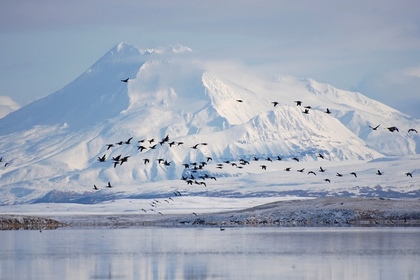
(208, 253)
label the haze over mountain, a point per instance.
(226, 109)
(7, 105)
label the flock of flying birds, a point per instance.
(195, 173)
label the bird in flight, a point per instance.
(409, 174)
(125, 80)
(374, 128)
(393, 128)
(413, 130)
(354, 174)
(298, 103)
(275, 103)
(102, 158)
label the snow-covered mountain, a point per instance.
(207, 110)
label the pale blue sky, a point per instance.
(368, 46)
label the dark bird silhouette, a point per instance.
(298, 103)
(222, 229)
(308, 107)
(306, 111)
(209, 158)
(160, 160)
(393, 128)
(151, 141)
(141, 148)
(354, 174)
(180, 143)
(278, 158)
(171, 144)
(146, 160)
(124, 159)
(195, 146)
(117, 158)
(186, 165)
(109, 146)
(327, 180)
(374, 128)
(300, 170)
(125, 80)
(296, 159)
(120, 143)
(204, 144)
(321, 169)
(328, 111)
(255, 158)
(409, 174)
(153, 147)
(339, 175)
(109, 185)
(379, 172)
(128, 140)
(116, 163)
(263, 167)
(275, 103)
(143, 210)
(321, 156)
(287, 169)
(95, 187)
(269, 159)
(413, 130)
(141, 141)
(239, 100)
(102, 158)
(203, 183)
(311, 172)
(194, 213)
(1, 159)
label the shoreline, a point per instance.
(319, 212)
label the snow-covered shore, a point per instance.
(326, 212)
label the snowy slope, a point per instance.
(207, 110)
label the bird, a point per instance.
(109, 185)
(124, 159)
(339, 174)
(195, 146)
(412, 129)
(379, 172)
(141, 148)
(117, 158)
(354, 174)
(263, 167)
(269, 159)
(296, 159)
(95, 187)
(287, 169)
(306, 111)
(328, 111)
(374, 128)
(153, 147)
(278, 158)
(120, 143)
(209, 158)
(298, 103)
(321, 169)
(146, 160)
(409, 174)
(102, 158)
(275, 103)
(125, 80)
(327, 180)
(393, 128)
(222, 229)
(300, 170)
(128, 141)
(109, 146)
(239, 100)
(321, 156)
(311, 172)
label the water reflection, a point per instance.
(208, 253)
